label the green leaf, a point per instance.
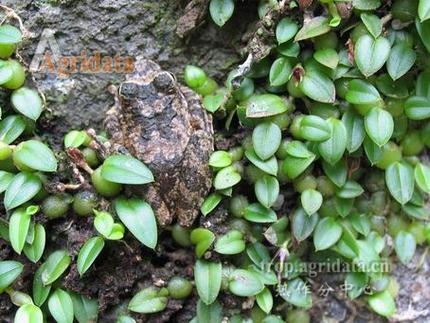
(367, 256)
(267, 190)
(125, 319)
(327, 57)
(347, 245)
(27, 102)
(23, 188)
(9, 271)
(298, 149)
(126, 169)
(61, 306)
(220, 159)
(355, 131)
(289, 49)
(417, 108)
(258, 254)
(213, 102)
(423, 30)
(422, 177)
(226, 177)
(366, 4)
(149, 300)
(371, 54)
(400, 181)
(327, 232)
(266, 139)
(138, 217)
(423, 85)
(6, 72)
(265, 300)
(244, 283)
(280, 72)
(416, 212)
(276, 233)
(75, 139)
(40, 291)
(405, 246)
(311, 201)
(28, 313)
(203, 239)
(88, 253)
(269, 166)
(314, 128)
(34, 251)
(357, 282)
(372, 150)
(297, 293)
(265, 105)
(333, 148)
(210, 203)
(302, 224)
(230, 243)
(10, 35)
(337, 173)
(361, 92)
(379, 126)
(377, 243)
(265, 275)
(361, 223)
(207, 277)
(35, 155)
(19, 224)
(350, 190)
(401, 59)
(103, 222)
(392, 89)
(221, 11)
(343, 206)
(117, 232)
(318, 87)
(258, 213)
(294, 166)
(286, 30)
(55, 266)
(209, 313)
(383, 303)
(85, 309)
(424, 10)
(11, 128)
(314, 27)
(373, 24)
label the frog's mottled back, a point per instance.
(163, 124)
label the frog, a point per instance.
(162, 123)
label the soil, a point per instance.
(78, 101)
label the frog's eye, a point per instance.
(129, 90)
(164, 82)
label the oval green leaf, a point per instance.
(399, 178)
(371, 54)
(207, 277)
(88, 253)
(126, 169)
(61, 306)
(27, 102)
(24, 187)
(138, 217)
(35, 155)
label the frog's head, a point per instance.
(162, 84)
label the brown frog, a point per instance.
(163, 124)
